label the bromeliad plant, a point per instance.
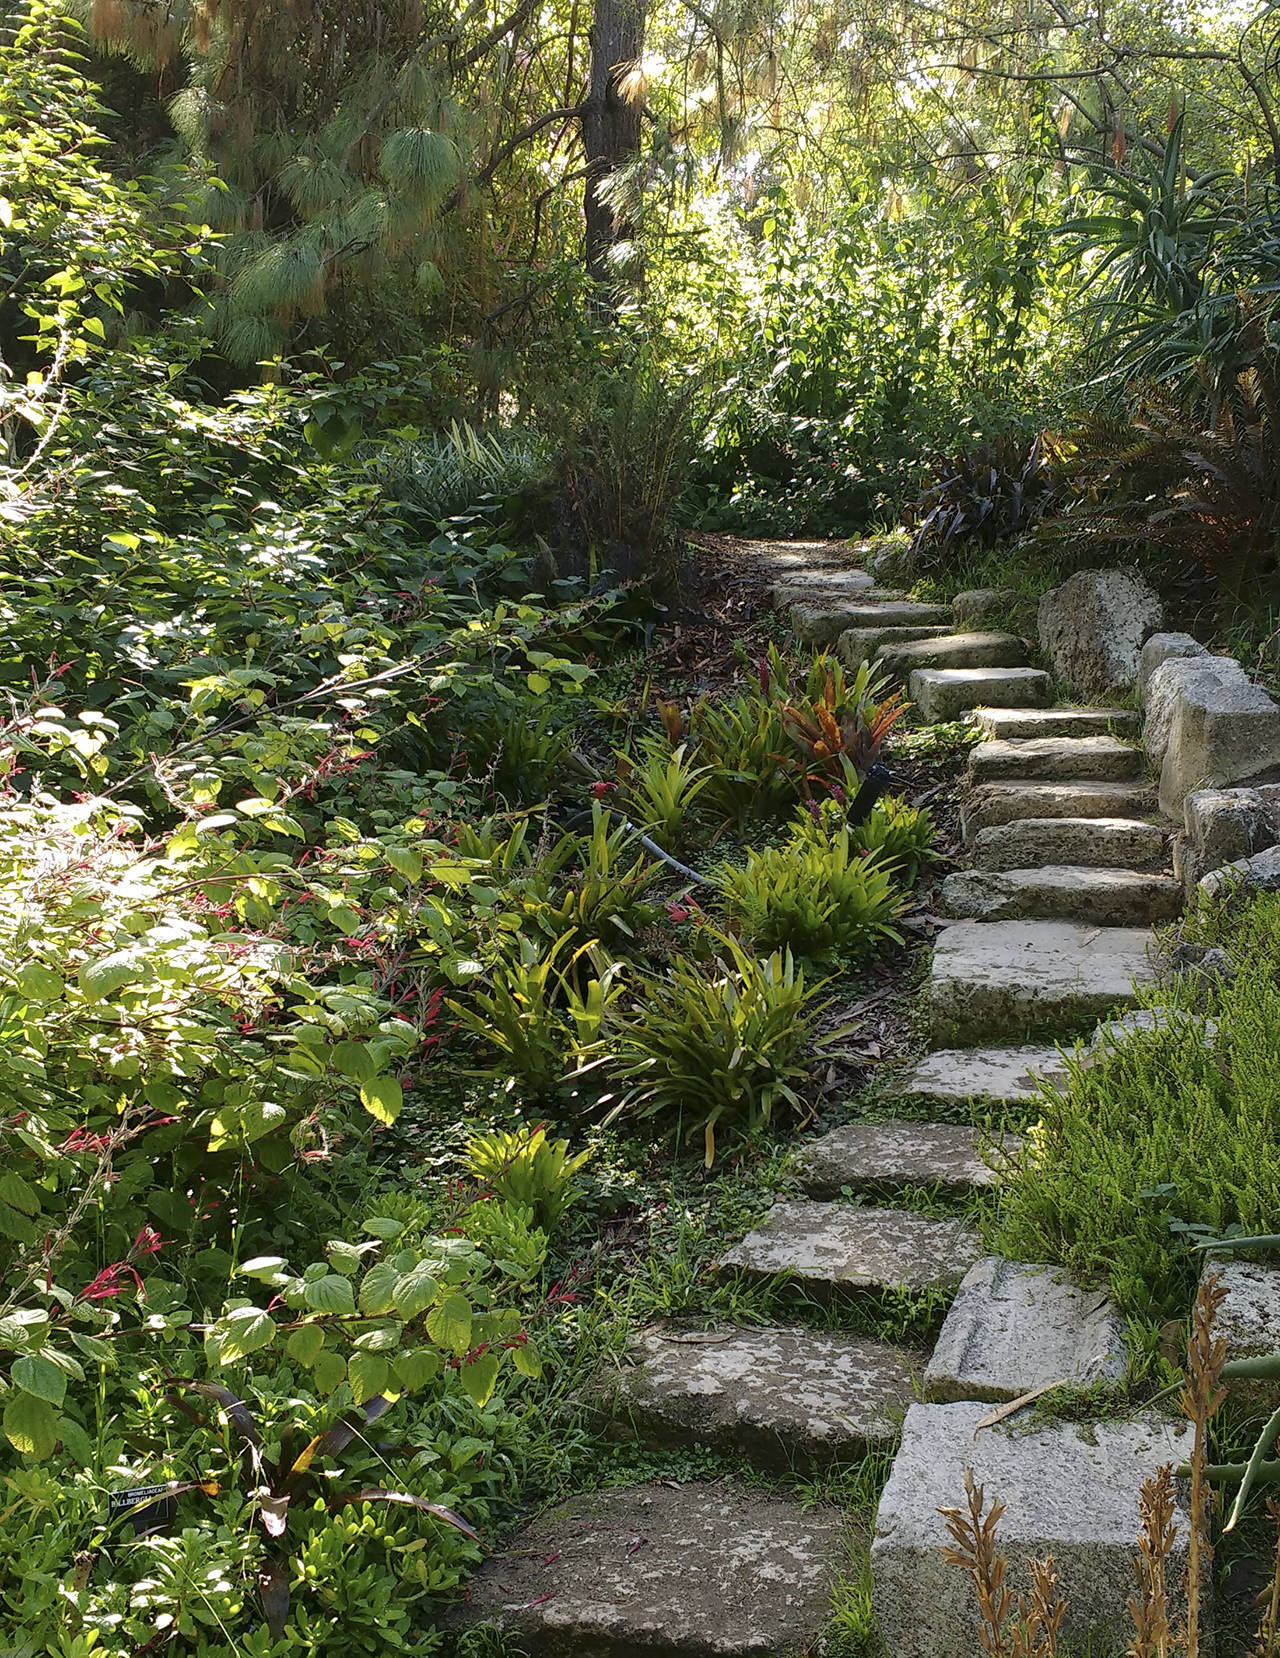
(901, 836)
(822, 901)
(838, 724)
(524, 1168)
(718, 1051)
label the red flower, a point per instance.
(602, 789)
(678, 913)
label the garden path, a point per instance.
(1050, 935)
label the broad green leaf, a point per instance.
(405, 861)
(30, 1425)
(330, 1294)
(369, 1374)
(15, 1191)
(329, 1372)
(41, 984)
(243, 1331)
(99, 979)
(383, 1098)
(527, 1360)
(418, 1367)
(415, 1290)
(449, 1324)
(306, 1344)
(38, 1375)
(480, 1377)
(354, 1060)
(378, 1288)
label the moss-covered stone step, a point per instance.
(1100, 842)
(868, 1157)
(942, 694)
(827, 1248)
(991, 805)
(1003, 1076)
(994, 979)
(783, 1397)
(1065, 892)
(1055, 759)
(704, 1569)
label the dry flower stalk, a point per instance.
(1012, 1626)
(1149, 1607)
(1269, 1629)
(1201, 1398)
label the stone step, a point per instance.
(947, 693)
(954, 650)
(990, 805)
(818, 586)
(1006, 1076)
(858, 645)
(781, 1397)
(877, 1156)
(1100, 842)
(1066, 892)
(1017, 723)
(1055, 759)
(807, 555)
(673, 1571)
(1014, 1327)
(1069, 1490)
(829, 1247)
(819, 621)
(994, 979)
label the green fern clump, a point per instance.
(822, 900)
(1169, 1129)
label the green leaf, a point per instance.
(449, 1325)
(15, 1191)
(378, 1289)
(36, 1374)
(354, 1059)
(243, 1331)
(31, 1425)
(369, 1374)
(405, 861)
(41, 984)
(539, 684)
(414, 1291)
(330, 1294)
(266, 1267)
(305, 1345)
(101, 1352)
(329, 1372)
(527, 1360)
(383, 1098)
(480, 1377)
(98, 979)
(417, 1367)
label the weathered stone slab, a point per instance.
(946, 693)
(1222, 729)
(822, 621)
(990, 805)
(1250, 1320)
(827, 1247)
(801, 555)
(1165, 688)
(691, 1571)
(1017, 723)
(1094, 626)
(1070, 1490)
(1261, 872)
(1067, 892)
(817, 586)
(872, 1156)
(1161, 648)
(1055, 759)
(1002, 978)
(1113, 1033)
(1101, 843)
(1010, 1076)
(1014, 1327)
(978, 606)
(954, 650)
(858, 645)
(781, 1397)
(1223, 826)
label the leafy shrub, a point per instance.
(526, 1169)
(533, 1019)
(462, 468)
(520, 755)
(1168, 1129)
(719, 1049)
(742, 740)
(982, 496)
(820, 900)
(901, 836)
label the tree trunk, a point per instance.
(610, 122)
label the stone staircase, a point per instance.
(1050, 934)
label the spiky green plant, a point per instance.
(523, 1167)
(823, 901)
(658, 786)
